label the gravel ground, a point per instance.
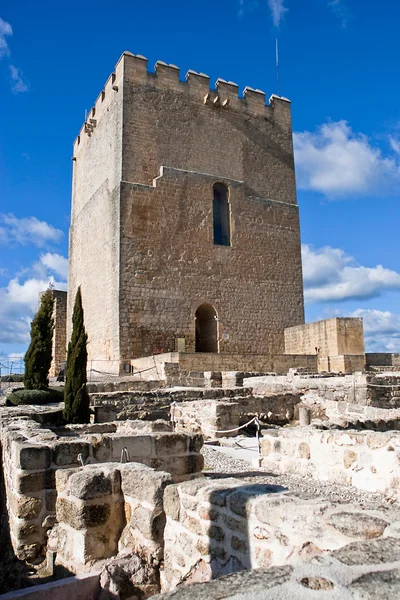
(218, 465)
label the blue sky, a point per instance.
(338, 65)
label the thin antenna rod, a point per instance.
(277, 67)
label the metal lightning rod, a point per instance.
(277, 67)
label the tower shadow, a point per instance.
(231, 522)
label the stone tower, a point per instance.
(184, 226)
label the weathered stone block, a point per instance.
(30, 457)
(150, 523)
(25, 483)
(358, 525)
(81, 516)
(141, 483)
(62, 477)
(95, 482)
(137, 446)
(170, 444)
(25, 507)
(66, 453)
(172, 503)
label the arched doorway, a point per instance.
(206, 329)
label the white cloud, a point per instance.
(18, 304)
(340, 10)
(338, 162)
(5, 30)
(56, 263)
(394, 144)
(381, 330)
(278, 10)
(332, 275)
(18, 84)
(27, 231)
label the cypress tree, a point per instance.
(39, 354)
(76, 396)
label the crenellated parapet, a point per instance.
(225, 95)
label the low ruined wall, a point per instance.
(365, 569)
(245, 362)
(367, 460)
(32, 455)
(207, 417)
(119, 406)
(107, 510)
(382, 359)
(100, 387)
(218, 527)
(349, 388)
(351, 415)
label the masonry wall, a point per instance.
(218, 527)
(59, 351)
(327, 338)
(94, 230)
(154, 262)
(32, 456)
(366, 460)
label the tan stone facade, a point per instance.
(338, 343)
(142, 237)
(59, 348)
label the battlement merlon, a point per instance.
(133, 69)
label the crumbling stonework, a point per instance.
(217, 527)
(32, 458)
(107, 510)
(208, 417)
(367, 460)
(365, 569)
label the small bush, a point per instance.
(14, 377)
(24, 396)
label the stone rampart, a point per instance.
(367, 460)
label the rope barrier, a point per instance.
(394, 385)
(212, 430)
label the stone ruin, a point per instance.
(125, 508)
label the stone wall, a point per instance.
(330, 337)
(151, 195)
(118, 406)
(32, 455)
(109, 510)
(383, 359)
(364, 569)
(347, 388)
(366, 460)
(59, 348)
(338, 343)
(207, 417)
(217, 527)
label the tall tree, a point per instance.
(39, 354)
(75, 395)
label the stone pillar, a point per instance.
(59, 349)
(304, 416)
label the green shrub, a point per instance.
(77, 400)
(14, 377)
(24, 396)
(38, 356)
